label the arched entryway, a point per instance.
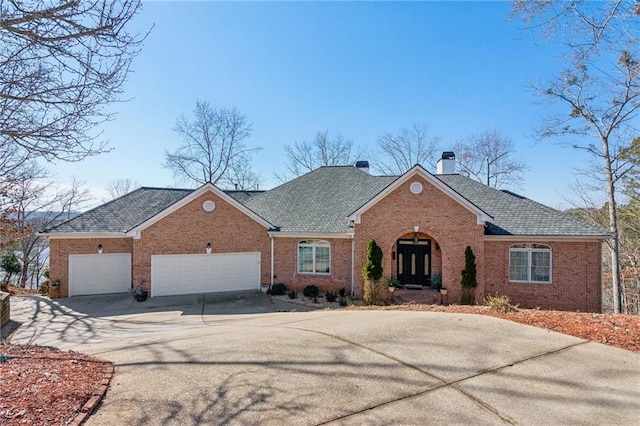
(417, 260)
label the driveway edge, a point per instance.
(89, 407)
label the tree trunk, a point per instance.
(613, 229)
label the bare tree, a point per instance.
(599, 89)
(61, 64)
(121, 186)
(39, 205)
(486, 157)
(212, 142)
(405, 149)
(240, 175)
(323, 150)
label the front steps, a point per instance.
(425, 296)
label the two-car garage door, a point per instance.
(204, 273)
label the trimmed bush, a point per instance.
(330, 296)
(311, 291)
(469, 281)
(372, 272)
(342, 292)
(293, 294)
(278, 289)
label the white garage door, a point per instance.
(204, 273)
(99, 273)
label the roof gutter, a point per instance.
(563, 238)
(80, 235)
(280, 234)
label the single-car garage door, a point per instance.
(99, 273)
(204, 273)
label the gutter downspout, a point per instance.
(353, 266)
(271, 280)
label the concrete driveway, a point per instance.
(239, 361)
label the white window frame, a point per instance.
(314, 244)
(529, 249)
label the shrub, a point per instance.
(343, 301)
(372, 272)
(278, 289)
(436, 282)
(469, 281)
(500, 303)
(330, 296)
(342, 292)
(311, 291)
(292, 294)
(44, 288)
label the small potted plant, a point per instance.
(55, 286)
(139, 294)
(392, 283)
(264, 288)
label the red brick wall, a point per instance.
(576, 276)
(286, 267)
(450, 225)
(190, 228)
(60, 249)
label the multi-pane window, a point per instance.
(530, 263)
(314, 257)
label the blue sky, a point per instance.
(358, 68)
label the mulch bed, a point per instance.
(42, 385)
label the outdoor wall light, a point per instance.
(416, 228)
(208, 248)
(100, 248)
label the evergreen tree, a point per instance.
(469, 277)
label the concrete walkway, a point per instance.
(208, 363)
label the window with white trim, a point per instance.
(314, 257)
(530, 263)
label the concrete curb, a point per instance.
(89, 407)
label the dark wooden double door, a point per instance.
(414, 262)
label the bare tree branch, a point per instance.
(212, 144)
(121, 186)
(486, 157)
(408, 147)
(61, 64)
(323, 150)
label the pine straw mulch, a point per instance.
(42, 385)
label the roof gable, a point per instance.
(207, 187)
(481, 216)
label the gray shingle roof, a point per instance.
(319, 201)
(322, 200)
(124, 213)
(516, 215)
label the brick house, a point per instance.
(314, 230)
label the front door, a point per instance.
(414, 262)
